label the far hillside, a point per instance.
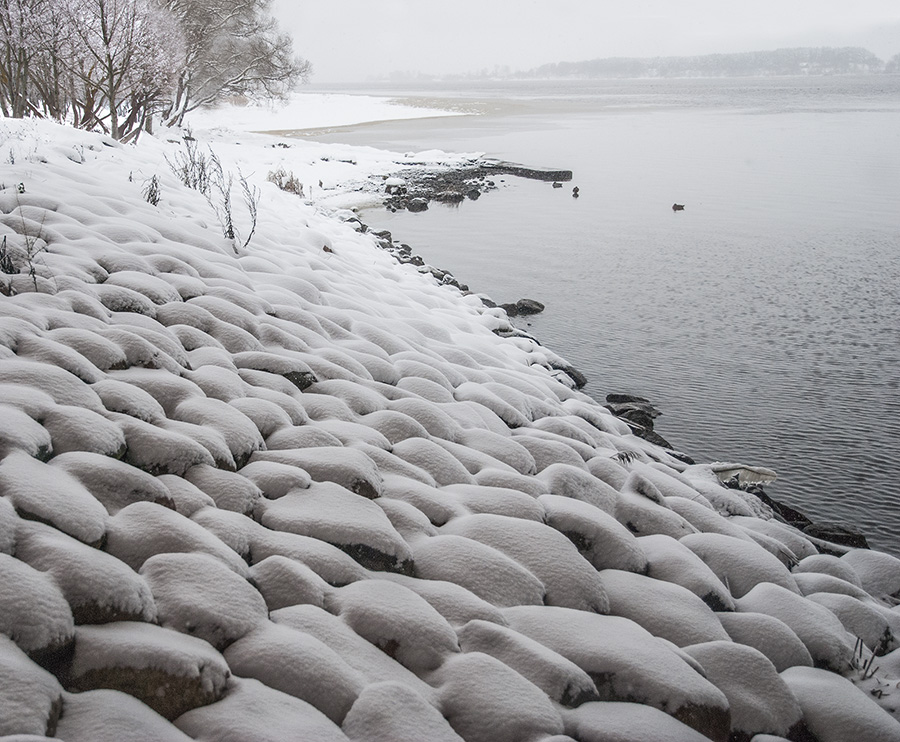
(797, 61)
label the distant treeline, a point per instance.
(798, 61)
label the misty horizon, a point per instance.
(352, 41)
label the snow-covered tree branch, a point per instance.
(234, 47)
(114, 64)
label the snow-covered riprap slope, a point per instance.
(300, 491)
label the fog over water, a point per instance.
(356, 40)
(764, 320)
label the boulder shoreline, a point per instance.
(454, 184)
(286, 487)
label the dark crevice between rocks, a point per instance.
(376, 560)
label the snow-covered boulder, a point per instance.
(434, 459)
(487, 701)
(488, 573)
(569, 579)
(30, 697)
(818, 628)
(625, 722)
(331, 513)
(425, 497)
(879, 573)
(252, 710)
(8, 524)
(641, 508)
(670, 560)
(597, 535)
(33, 611)
(454, 602)
(19, 432)
(283, 582)
(663, 608)
(739, 564)
(572, 481)
(397, 621)
(42, 492)
(835, 710)
(197, 594)
(275, 479)
(500, 447)
(185, 498)
(333, 565)
(861, 619)
(394, 712)
(760, 701)
(394, 425)
(410, 522)
(365, 658)
(158, 450)
(770, 635)
(113, 716)
(76, 429)
(98, 587)
(816, 582)
(170, 672)
(114, 483)
(145, 529)
(229, 491)
(562, 680)
(347, 467)
(627, 663)
(239, 431)
(299, 664)
(827, 564)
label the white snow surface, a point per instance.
(354, 510)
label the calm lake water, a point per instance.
(763, 320)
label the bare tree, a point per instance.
(114, 64)
(233, 47)
(22, 41)
(123, 56)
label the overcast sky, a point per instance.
(352, 40)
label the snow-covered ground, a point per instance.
(294, 490)
(305, 110)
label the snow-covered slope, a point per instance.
(296, 491)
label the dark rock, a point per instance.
(417, 204)
(640, 412)
(557, 184)
(511, 168)
(511, 309)
(619, 398)
(529, 306)
(573, 373)
(449, 197)
(789, 515)
(300, 379)
(473, 194)
(837, 533)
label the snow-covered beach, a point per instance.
(277, 486)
